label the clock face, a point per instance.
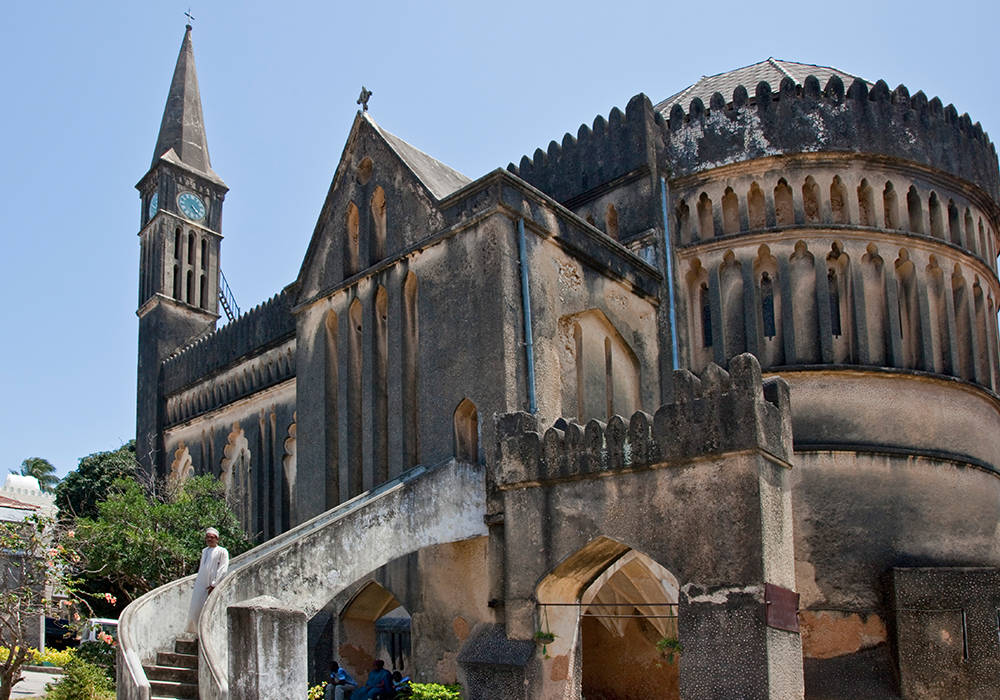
(154, 204)
(191, 206)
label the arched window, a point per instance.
(838, 201)
(683, 213)
(866, 204)
(767, 305)
(810, 201)
(351, 241)
(831, 277)
(466, 422)
(177, 282)
(936, 215)
(784, 208)
(706, 317)
(191, 248)
(915, 210)
(378, 225)
(730, 212)
(204, 254)
(889, 203)
(706, 220)
(189, 296)
(611, 221)
(970, 231)
(756, 207)
(177, 243)
(203, 291)
(410, 361)
(954, 223)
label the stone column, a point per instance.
(268, 653)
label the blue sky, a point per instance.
(476, 85)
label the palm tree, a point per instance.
(42, 470)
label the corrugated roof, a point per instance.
(440, 179)
(772, 70)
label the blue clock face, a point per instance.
(154, 204)
(191, 206)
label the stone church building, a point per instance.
(700, 402)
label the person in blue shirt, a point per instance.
(342, 684)
(379, 684)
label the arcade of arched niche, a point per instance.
(839, 267)
(622, 625)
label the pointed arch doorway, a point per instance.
(608, 606)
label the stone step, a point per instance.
(186, 646)
(170, 658)
(166, 689)
(171, 673)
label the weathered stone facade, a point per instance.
(529, 342)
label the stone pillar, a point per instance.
(268, 653)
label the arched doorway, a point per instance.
(374, 625)
(629, 632)
(608, 606)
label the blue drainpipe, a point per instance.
(670, 276)
(526, 303)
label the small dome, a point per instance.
(772, 70)
(17, 481)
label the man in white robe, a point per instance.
(213, 567)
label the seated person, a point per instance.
(400, 683)
(341, 684)
(378, 686)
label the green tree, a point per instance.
(78, 494)
(32, 564)
(42, 470)
(138, 542)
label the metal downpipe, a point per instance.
(529, 347)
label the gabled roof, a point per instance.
(182, 137)
(437, 177)
(772, 71)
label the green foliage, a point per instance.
(138, 542)
(79, 493)
(102, 655)
(434, 691)
(317, 691)
(54, 657)
(31, 562)
(668, 647)
(42, 470)
(81, 681)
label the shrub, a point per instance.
(102, 655)
(55, 657)
(81, 681)
(434, 691)
(316, 692)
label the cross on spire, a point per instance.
(365, 96)
(189, 16)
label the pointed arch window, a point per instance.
(767, 305)
(835, 325)
(706, 317)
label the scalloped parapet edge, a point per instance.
(717, 413)
(254, 330)
(857, 119)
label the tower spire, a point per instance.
(182, 129)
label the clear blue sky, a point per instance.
(476, 85)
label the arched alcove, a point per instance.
(374, 625)
(466, 422)
(609, 605)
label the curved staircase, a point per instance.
(304, 568)
(175, 674)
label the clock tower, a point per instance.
(179, 239)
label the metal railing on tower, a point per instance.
(226, 298)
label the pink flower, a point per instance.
(110, 598)
(71, 534)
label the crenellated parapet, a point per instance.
(811, 118)
(720, 412)
(254, 331)
(612, 148)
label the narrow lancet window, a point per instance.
(835, 328)
(767, 305)
(706, 317)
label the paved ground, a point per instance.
(33, 685)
